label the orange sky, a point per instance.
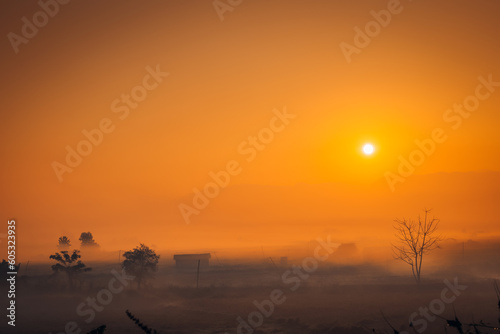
(225, 79)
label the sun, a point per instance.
(368, 149)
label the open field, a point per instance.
(332, 299)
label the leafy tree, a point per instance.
(70, 264)
(87, 240)
(64, 243)
(140, 262)
(416, 238)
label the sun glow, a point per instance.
(368, 149)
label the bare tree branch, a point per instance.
(416, 238)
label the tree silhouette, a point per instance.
(70, 264)
(87, 240)
(416, 238)
(64, 243)
(140, 262)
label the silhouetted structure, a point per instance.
(190, 261)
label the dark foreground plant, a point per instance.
(142, 326)
(462, 328)
(98, 330)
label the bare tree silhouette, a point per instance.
(416, 238)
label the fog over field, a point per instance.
(250, 166)
(343, 293)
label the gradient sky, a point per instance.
(225, 79)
